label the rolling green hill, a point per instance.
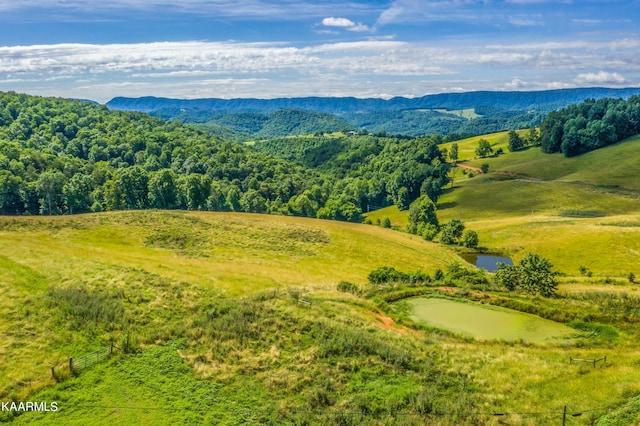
(235, 318)
(576, 211)
(73, 284)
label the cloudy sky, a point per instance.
(99, 49)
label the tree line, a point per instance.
(590, 125)
(59, 156)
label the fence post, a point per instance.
(111, 350)
(71, 364)
(53, 371)
(564, 416)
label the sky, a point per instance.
(98, 50)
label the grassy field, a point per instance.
(581, 211)
(210, 304)
(72, 284)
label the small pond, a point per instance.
(488, 262)
(484, 321)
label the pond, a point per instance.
(488, 262)
(485, 322)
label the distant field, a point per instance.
(467, 147)
(576, 211)
(468, 113)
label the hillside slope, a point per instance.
(211, 300)
(576, 211)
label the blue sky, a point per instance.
(266, 48)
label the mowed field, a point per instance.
(581, 211)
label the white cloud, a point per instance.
(345, 23)
(338, 22)
(516, 84)
(360, 68)
(602, 77)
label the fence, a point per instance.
(77, 364)
(590, 361)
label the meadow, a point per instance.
(236, 318)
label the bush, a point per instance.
(470, 239)
(387, 274)
(347, 287)
(533, 275)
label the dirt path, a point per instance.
(389, 324)
(473, 169)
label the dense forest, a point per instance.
(516, 100)
(245, 126)
(252, 125)
(245, 119)
(590, 125)
(60, 156)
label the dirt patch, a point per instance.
(473, 169)
(389, 324)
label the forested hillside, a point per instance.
(518, 100)
(60, 156)
(241, 119)
(590, 125)
(283, 122)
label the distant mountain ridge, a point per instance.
(514, 100)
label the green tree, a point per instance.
(537, 276)
(232, 200)
(133, 182)
(386, 223)
(50, 186)
(453, 152)
(484, 148)
(77, 193)
(422, 212)
(515, 141)
(470, 239)
(533, 136)
(163, 193)
(402, 200)
(195, 189)
(451, 232)
(533, 274)
(10, 198)
(507, 276)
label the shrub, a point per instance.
(347, 287)
(470, 239)
(387, 274)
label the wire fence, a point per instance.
(76, 364)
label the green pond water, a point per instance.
(486, 322)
